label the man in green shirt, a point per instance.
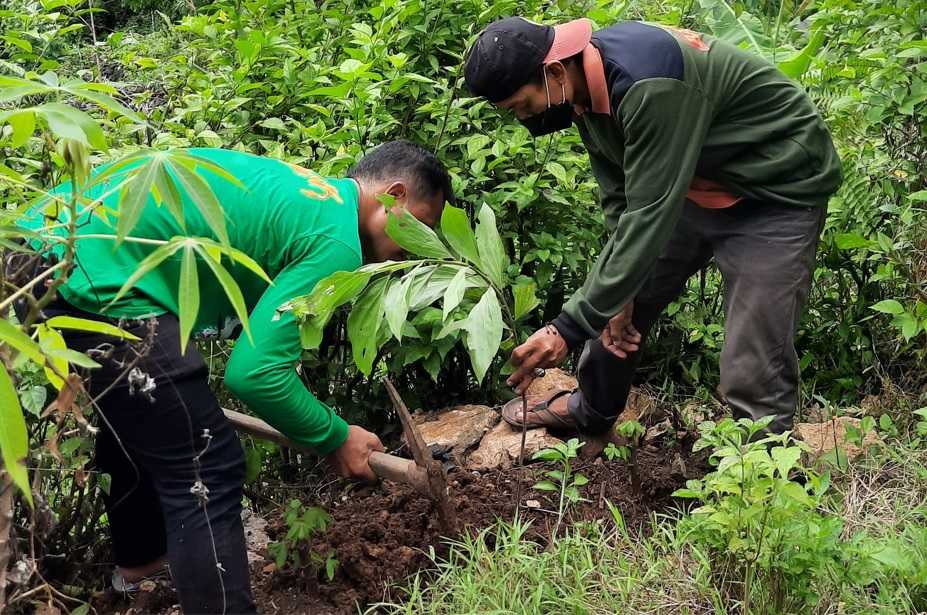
(176, 464)
(701, 150)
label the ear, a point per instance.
(397, 190)
(556, 71)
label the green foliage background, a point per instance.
(321, 83)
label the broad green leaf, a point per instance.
(204, 199)
(14, 440)
(148, 263)
(455, 292)
(414, 236)
(785, 459)
(493, 260)
(93, 326)
(23, 124)
(920, 196)
(71, 356)
(188, 295)
(13, 336)
(51, 341)
(396, 305)
(525, 298)
(908, 324)
(364, 326)
(232, 291)
(33, 399)
(317, 307)
(456, 229)
(798, 64)
(888, 306)
(545, 485)
(852, 241)
(484, 332)
(67, 122)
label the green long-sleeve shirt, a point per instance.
(298, 226)
(684, 105)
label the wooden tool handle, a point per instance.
(385, 466)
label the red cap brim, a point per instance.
(569, 39)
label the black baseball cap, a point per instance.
(509, 52)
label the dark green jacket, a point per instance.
(683, 105)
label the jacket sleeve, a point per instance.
(664, 122)
(261, 371)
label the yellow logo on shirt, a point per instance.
(319, 189)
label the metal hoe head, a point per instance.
(437, 478)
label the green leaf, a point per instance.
(33, 399)
(66, 122)
(414, 236)
(456, 229)
(13, 336)
(785, 459)
(852, 241)
(908, 324)
(188, 295)
(93, 326)
(545, 485)
(14, 440)
(364, 326)
(329, 293)
(397, 305)
(920, 196)
(484, 333)
(455, 292)
(232, 291)
(493, 260)
(525, 298)
(798, 64)
(51, 341)
(23, 124)
(204, 199)
(134, 196)
(888, 306)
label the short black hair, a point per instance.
(408, 160)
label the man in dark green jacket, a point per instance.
(176, 464)
(701, 150)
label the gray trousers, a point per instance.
(766, 255)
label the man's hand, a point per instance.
(545, 348)
(620, 337)
(351, 459)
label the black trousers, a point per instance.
(176, 464)
(766, 255)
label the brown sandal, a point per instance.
(539, 414)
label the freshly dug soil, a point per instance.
(382, 535)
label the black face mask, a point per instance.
(553, 118)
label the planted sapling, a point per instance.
(563, 480)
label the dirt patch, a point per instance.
(383, 535)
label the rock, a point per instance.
(532, 504)
(820, 436)
(554, 379)
(256, 537)
(501, 445)
(456, 429)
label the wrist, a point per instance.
(569, 330)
